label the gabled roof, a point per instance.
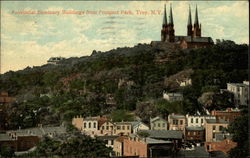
(156, 118)
(164, 134)
(137, 123)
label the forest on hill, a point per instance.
(123, 82)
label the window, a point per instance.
(202, 120)
(192, 120)
(112, 142)
(128, 128)
(94, 124)
(197, 120)
(84, 125)
(103, 127)
(107, 127)
(194, 133)
(159, 125)
(118, 127)
(154, 125)
(90, 125)
(123, 127)
(175, 122)
(213, 135)
(221, 128)
(163, 124)
(181, 122)
(214, 127)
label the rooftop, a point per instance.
(193, 128)
(177, 116)
(164, 134)
(217, 121)
(239, 84)
(194, 39)
(156, 118)
(5, 137)
(156, 141)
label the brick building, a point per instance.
(195, 134)
(213, 127)
(147, 147)
(227, 115)
(223, 142)
(193, 38)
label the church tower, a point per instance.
(189, 24)
(171, 36)
(164, 30)
(197, 27)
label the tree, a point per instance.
(239, 130)
(121, 115)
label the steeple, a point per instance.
(196, 21)
(189, 17)
(196, 29)
(171, 21)
(171, 36)
(165, 22)
(189, 24)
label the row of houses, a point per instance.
(208, 130)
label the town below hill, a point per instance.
(130, 85)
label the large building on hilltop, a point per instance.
(193, 38)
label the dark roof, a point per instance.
(177, 116)
(164, 134)
(194, 39)
(216, 121)
(220, 136)
(193, 128)
(198, 152)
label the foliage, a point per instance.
(239, 130)
(6, 151)
(73, 146)
(143, 134)
(121, 115)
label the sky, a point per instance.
(32, 31)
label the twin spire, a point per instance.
(171, 21)
(165, 21)
(196, 20)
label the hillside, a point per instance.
(122, 78)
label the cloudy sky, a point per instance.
(32, 32)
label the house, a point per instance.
(138, 125)
(195, 134)
(147, 147)
(123, 128)
(54, 60)
(175, 136)
(222, 142)
(185, 82)
(119, 145)
(172, 96)
(78, 122)
(240, 91)
(18, 142)
(197, 120)
(213, 127)
(24, 139)
(228, 114)
(158, 123)
(176, 121)
(107, 128)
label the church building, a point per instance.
(193, 38)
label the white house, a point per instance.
(240, 91)
(172, 96)
(197, 120)
(90, 126)
(158, 123)
(185, 82)
(138, 125)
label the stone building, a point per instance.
(176, 122)
(240, 91)
(228, 115)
